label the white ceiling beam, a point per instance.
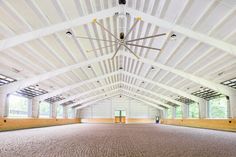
(73, 86)
(87, 92)
(154, 93)
(226, 47)
(94, 90)
(144, 101)
(96, 97)
(92, 102)
(34, 80)
(204, 82)
(148, 98)
(22, 38)
(174, 90)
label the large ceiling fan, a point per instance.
(122, 40)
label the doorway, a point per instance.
(120, 116)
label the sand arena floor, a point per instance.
(115, 140)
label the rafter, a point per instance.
(74, 86)
(19, 39)
(94, 101)
(199, 80)
(226, 47)
(148, 98)
(154, 93)
(96, 97)
(33, 80)
(174, 90)
(87, 92)
(99, 99)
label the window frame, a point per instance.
(28, 106)
(198, 110)
(50, 110)
(62, 116)
(209, 108)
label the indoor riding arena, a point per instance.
(117, 78)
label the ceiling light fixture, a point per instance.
(173, 36)
(122, 41)
(221, 73)
(69, 34)
(122, 2)
(89, 67)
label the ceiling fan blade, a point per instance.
(153, 36)
(116, 52)
(147, 47)
(100, 48)
(81, 37)
(95, 21)
(132, 28)
(131, 51)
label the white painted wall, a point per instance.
(106, 109)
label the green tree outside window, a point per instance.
(194, 110)
(178, 112)
(218, 108)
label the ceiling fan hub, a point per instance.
(122, 36)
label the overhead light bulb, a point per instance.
(36, 87)
(173, 36)
(69, 34)
(2, 77)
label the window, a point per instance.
(44, 109)
(71, 113)
(178, 112)
(59, 111)
(194, 110)
(218, 108)
(18, 106)
(169, 113)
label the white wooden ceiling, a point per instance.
(212, 18)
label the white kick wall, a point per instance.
(107, 107)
